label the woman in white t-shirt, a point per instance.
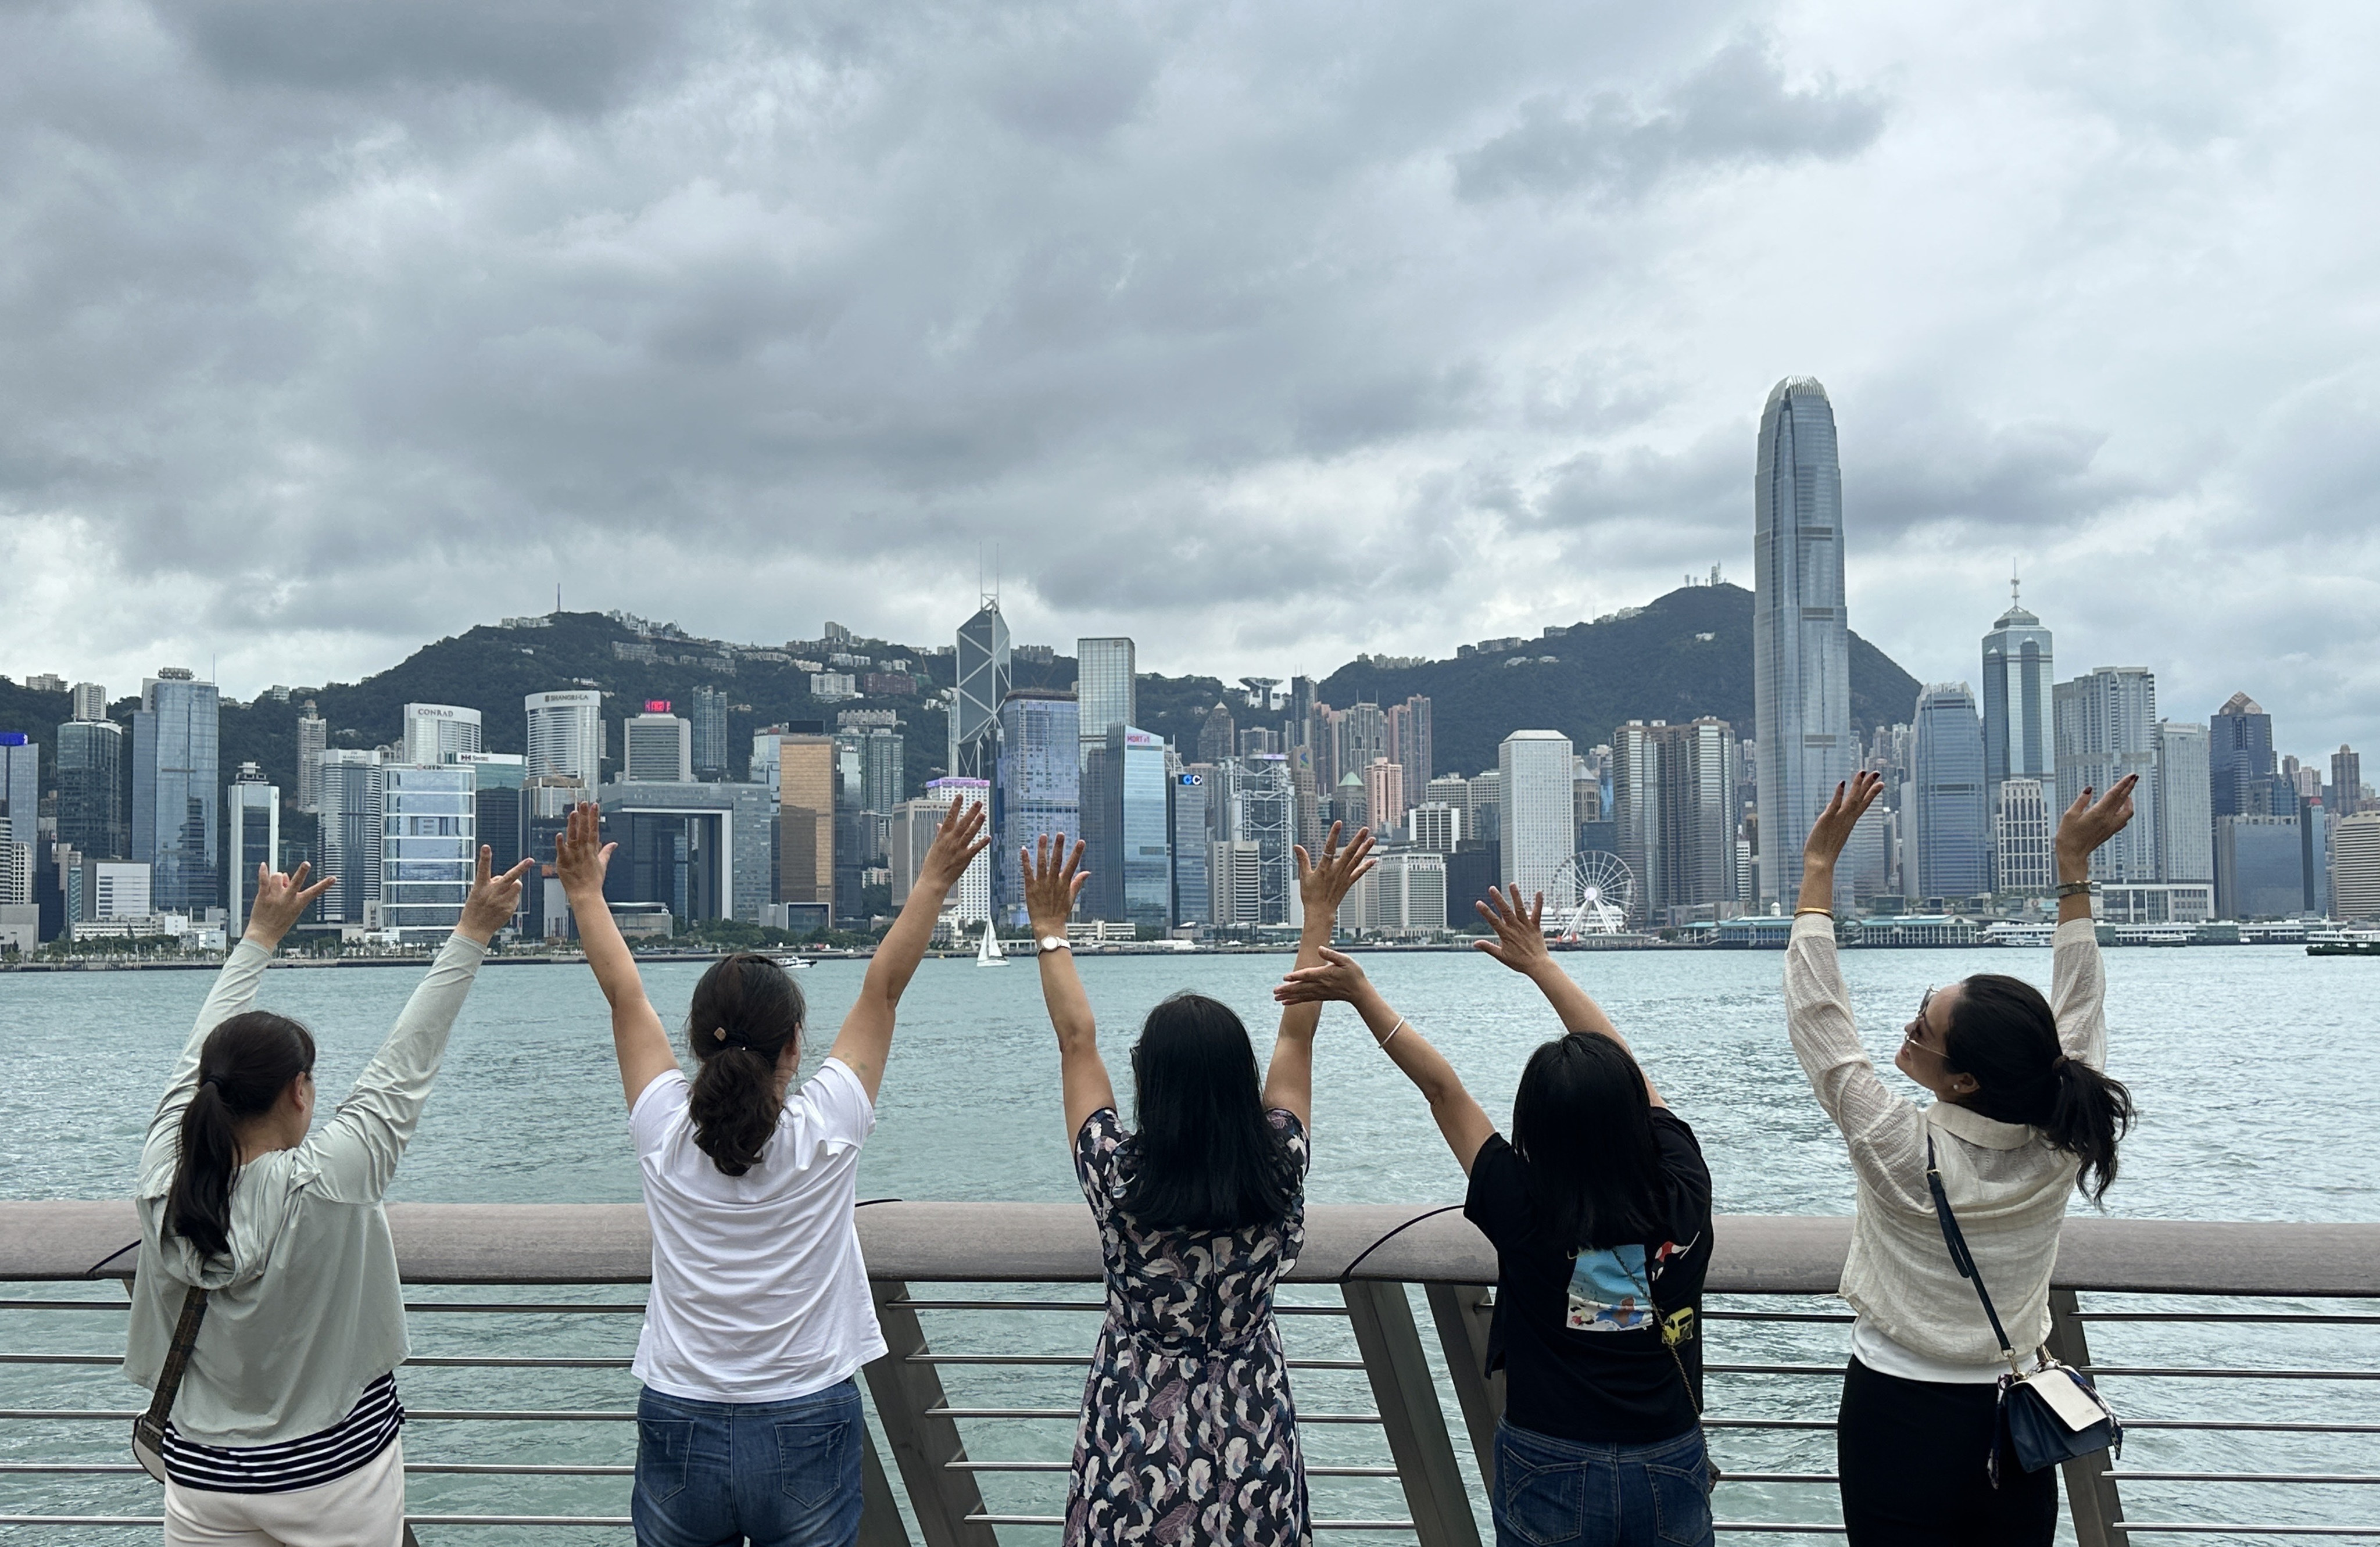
(750, 1422)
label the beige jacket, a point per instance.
(2007, 1186)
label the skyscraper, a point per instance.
(2239, 759)
(1953, 828)
(1268, 817)
(1409, 743)
(1193, 893)
(983, 680)
(1673, 814)
(1103, 688)
(253, 823)
(2017, 687)
(1384, 795)
(20, 780)
(1039, 792)
(2346, 787)
(1801, 655)
(176, 797)
(2103, 726)
(2185, 826)
(806, 778)
(710, 733)
(969, 902)
(656, 747)
(1124, 808)
(313, 736)
(1217, 735)
(89, 701)
(90, 789)
(2021, 837)
(433, 734)
(566, 735)
(2355, 866)
(1536, 831)
(429, 846)
(347, 833)
(2259, 867)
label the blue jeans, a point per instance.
(1551, 1492)
(785, 1474)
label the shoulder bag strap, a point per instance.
(1669, 1335)
(177, 1357)
(1961, 1258)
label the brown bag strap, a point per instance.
(177, 1357)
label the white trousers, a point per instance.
(365, 1508)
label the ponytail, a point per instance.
(2003, 1032)
(746, 1011)
(244, 1065)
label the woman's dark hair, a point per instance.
(746, 1009)
(1583, 1127)
(244, 1065)
(2002, 1032)
(1206, 1158)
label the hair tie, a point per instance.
(720, 1033)
(214, 1080)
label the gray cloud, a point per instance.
(1265, 335)
(1735, 109)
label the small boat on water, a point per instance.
(988, 952)
(2344, 947)
(790, 963)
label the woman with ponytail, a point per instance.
(750, 1422)
(285, 1428)
(2021, 1112)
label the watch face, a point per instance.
(1053, 942)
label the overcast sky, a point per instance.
(1263, 333)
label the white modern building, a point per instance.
(1404, 894)
(433, 734)
(566, 735)
(656, 747)
(1533, 783)
(313, 737)
(2105, 727)
(1436, 826)
(2021, 837)
(2355, 866)
(2184, 803)
(970, 901)
(428, 848)
(251, 837)
(1801, 647)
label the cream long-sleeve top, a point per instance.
(306, 1310)
(2007, 1186)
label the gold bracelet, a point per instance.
(1799, 912)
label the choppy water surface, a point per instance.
(2253, 1068)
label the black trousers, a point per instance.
(1912, 1457)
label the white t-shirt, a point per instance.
(760, 1294)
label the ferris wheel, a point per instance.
(1591, 894)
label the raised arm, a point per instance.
(1323, 885)
(580, 858)
(1052, 879)
(358, 1148)
(866, 1039)
(2078, 982)
(280, 900)
(1520, 944)
(1462, 1121)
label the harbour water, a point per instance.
(2252, 1066)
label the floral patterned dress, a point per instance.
(1189, 1434)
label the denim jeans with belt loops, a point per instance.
(1554, 1493)
(782, 1474)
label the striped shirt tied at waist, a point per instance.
(308, 1461)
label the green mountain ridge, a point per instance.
(1652, 662)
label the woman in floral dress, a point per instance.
(1188, 1431)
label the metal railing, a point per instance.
(969, 1429)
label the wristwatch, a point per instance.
(1054, 942)
(2072, 888)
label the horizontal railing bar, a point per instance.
(66, 1305)
(412, 1415)
(2227, 1373)
(1813, 1423)
(1780, 1477)
(1339, 1310)
(410, 1520)
(1067, 1465)
(61, 1359)
(1777, 1528)
(126, 1468)
(1080, 1361)
(2277, 1317)
(1836, 1318)
(1077, 1412)
(2181, 1528)
(429, 1361)
(524, 1307)
(989, 1520)
(2252, 1426)
(2122, 1476)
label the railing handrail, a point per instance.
(1779, 1254)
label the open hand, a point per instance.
(280, 902)
(2089, 823)
(580, 856)
(1338, 977)
(956, 843)
(1052, 879)
(1323, 884)
(1833, 828)
(494, 899)
(1520, 941)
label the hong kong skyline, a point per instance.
(1265, 339)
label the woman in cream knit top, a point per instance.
(2021, 1112)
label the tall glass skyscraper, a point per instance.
(566, 735)
(90, 789)
(2104, 727)
(2239, 760)
(252, 812)
(1801, 649)
(2017, 683)
(1039, 792)
(1952, 852)
(176, 800)
(429, 846)
(1103, 687)
(982, 683)
(347, 833)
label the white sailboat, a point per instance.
(988, 952)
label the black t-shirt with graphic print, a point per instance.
(1581, 1352)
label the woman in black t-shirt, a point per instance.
(1599, 1207)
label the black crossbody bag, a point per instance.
(2052, 1414)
